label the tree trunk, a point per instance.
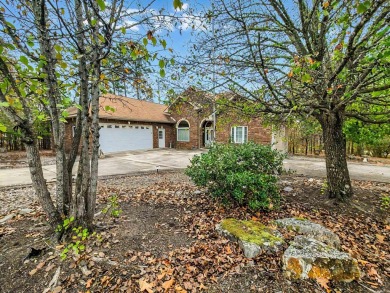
(95, 94)
(339, 183)
(306, 146)
(39, 183)
(360, 149)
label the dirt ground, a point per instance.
(165, 241)
(18, 159)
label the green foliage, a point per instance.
(375, 138)
(79, 237)
(324, 187)
(177, 4)
(243, 174)
(385, 201)
(3, 128)
(112, 208)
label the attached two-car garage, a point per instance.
(122, 137)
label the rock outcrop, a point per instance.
(253, 237)
(309, 258)
(310, 229)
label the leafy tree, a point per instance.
(129, 69)
(374, 137)
(323, 59)
(53, 53)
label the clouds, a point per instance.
(184, 7)
(131, 25)
(162, 18)
(191, 22)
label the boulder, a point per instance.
(310, 229)
(309, 258)
(253, 237)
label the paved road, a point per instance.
(170, 159)
(360, 171)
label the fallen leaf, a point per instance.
(324, 283)
(228, 250)
(49, 267)
(372, 272)
(179, 289)
(143, 285)
(40, 265)
(104, 279)
(32, 272)
(168, 284)
(363, 262)
(57, 289)
(381, 238)
(89, 283)
(188, 285)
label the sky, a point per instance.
(179, 37)
(177, 34)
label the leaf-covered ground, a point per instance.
(165, 241)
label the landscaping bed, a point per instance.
(165, 240)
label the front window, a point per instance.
(183, 131)
(239, 134)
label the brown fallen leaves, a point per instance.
(207, 259)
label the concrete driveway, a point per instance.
(114, 164)
(171, 159)
(359, 171)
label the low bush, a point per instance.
(244, 174)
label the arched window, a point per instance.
(183, 131)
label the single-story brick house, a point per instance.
(187, 123)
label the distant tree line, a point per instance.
(305, 137)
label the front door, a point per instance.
(208, 136)
(161, 138)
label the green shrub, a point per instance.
(245, 174)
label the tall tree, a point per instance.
(52, 57)
(316, 58)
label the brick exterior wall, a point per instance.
(256, 131)
(186, 111)
(169, 131)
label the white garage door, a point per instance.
(120, 137)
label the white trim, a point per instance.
(161, 141)
(233, 134)
(181, 120)
(182, 128)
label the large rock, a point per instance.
(253, 237)
(310, 229)
(309, 258)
